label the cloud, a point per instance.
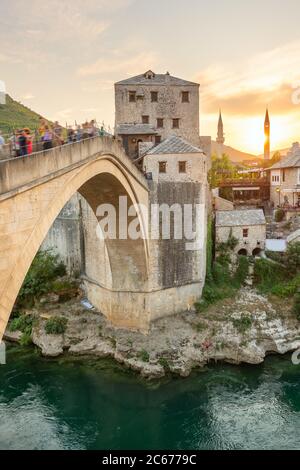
(28, 96)
(244, 88)
(120, 63)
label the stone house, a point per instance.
(177, 176)
(285, 181)
(150, 107)
(247, 226)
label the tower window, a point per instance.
(182, 167)
(162, 167)
(245, 232)
(154, 96)
(160, 123)
(176, 123)
(185, 97)
(132, 96)
(145, 119)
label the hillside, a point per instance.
(234, 155)
(14, 115)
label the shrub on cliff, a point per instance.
(296, 307)
(279, 215)
(56, 325)
(44, 269)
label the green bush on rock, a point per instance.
(56, 325)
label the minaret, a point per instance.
(220, 137)
(267, 136)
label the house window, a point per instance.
(162, 167)
(275, 178)
(132, 96)
(182, 167)
(145, 119)
(154, 96)
(176, 123)
(185, 97)
(298, 175)
(283, 176)
(245, 232)
(160, 123)
(157, 139)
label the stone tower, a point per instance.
(151, 107)
(267, 136)
(220, 137)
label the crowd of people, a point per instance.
(24, 142)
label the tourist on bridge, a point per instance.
(2, 143)
(58, 133)
(29, 140)
(23, 143)
(47, 138)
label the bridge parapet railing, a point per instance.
(18, 172)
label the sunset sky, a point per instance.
(61, 58)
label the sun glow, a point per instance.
(248, 134)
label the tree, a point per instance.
(293, 257)
(221, 169)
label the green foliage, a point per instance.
(279, 215)
(222, 284)
(14, 115)
(276, 279)
(144, 356)
(164, 363)
(293, 257)
(209, 247)
(242, 324)
(267, 274)
(296, 307)
(241, 272)
(288, 288)
(56, 325)
(44, 269)
(23, 323)
(228, 246)
(221, 168)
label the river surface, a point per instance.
(62, 404)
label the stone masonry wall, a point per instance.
(168, 107)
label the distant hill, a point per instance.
(234, 155)
(283, 152)
(14, 115)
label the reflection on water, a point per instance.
(95, 405)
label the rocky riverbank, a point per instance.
(240, 330)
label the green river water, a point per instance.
(84, 404)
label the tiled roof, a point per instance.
(238, 218)
(133, 129)
(292, 160)
(158, 79)
(173, 145)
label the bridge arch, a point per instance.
(28, 211)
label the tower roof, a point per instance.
(267, 118)
(151, 78)
(174, 145)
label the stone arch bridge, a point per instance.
(33, 191)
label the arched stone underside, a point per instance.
(27, 213)
(33, 191)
